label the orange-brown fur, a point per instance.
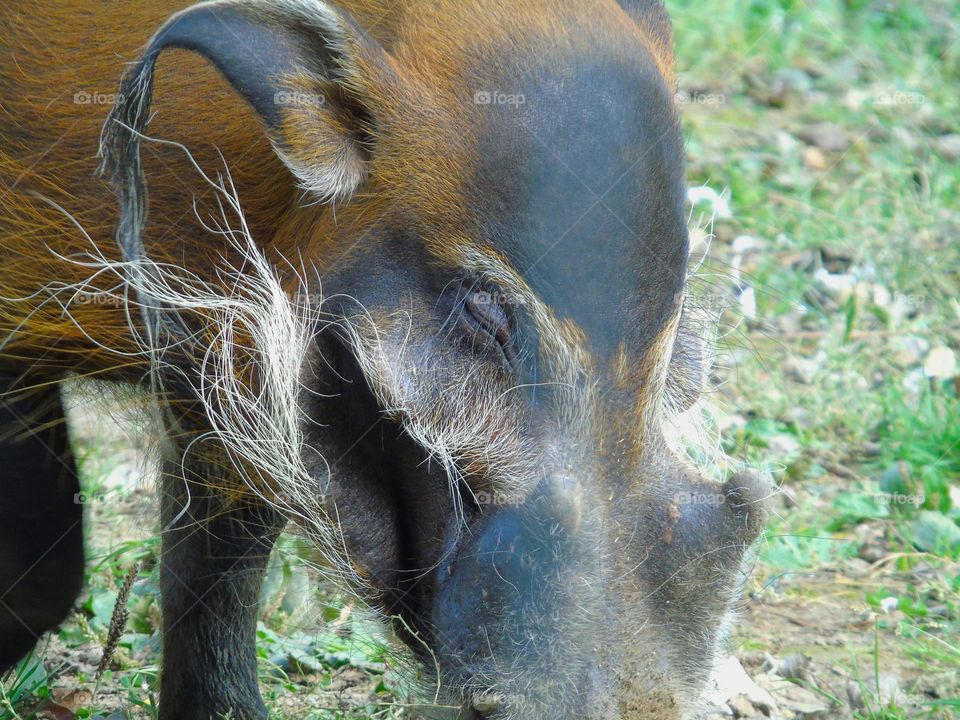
(49, 147)
(52, 51)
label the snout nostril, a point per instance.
(748, 495)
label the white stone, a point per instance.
(729, 680)
(941, 364)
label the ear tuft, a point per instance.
(686, 375)
(320, 143)
(652, 19)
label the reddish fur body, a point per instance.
(53, 54)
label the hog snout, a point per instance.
(504, 625)
(532, 603)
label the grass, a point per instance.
(824, 384)
(921, 446)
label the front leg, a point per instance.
(214, 552)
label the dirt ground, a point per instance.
(806, 644)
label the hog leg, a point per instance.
(214, 553)
(41, 533)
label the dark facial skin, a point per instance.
(600, 591)
(583, 182)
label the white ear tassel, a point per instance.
(260, 425)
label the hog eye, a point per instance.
(488, 317)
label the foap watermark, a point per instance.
(486, 497)
(489, 702)
(713, 303)
(700, 97)
(483, 297)
(86, 498)
(898, 98)
(900, 298)
(94, 97)
(914, 500)
(497, 97)
(302, 298)
(289, 98)
(103, 299)
(700, 498)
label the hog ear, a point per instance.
(301, 64)
(686, 375)
(652, 18)
(650, 14)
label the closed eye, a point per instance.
(487, 316)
